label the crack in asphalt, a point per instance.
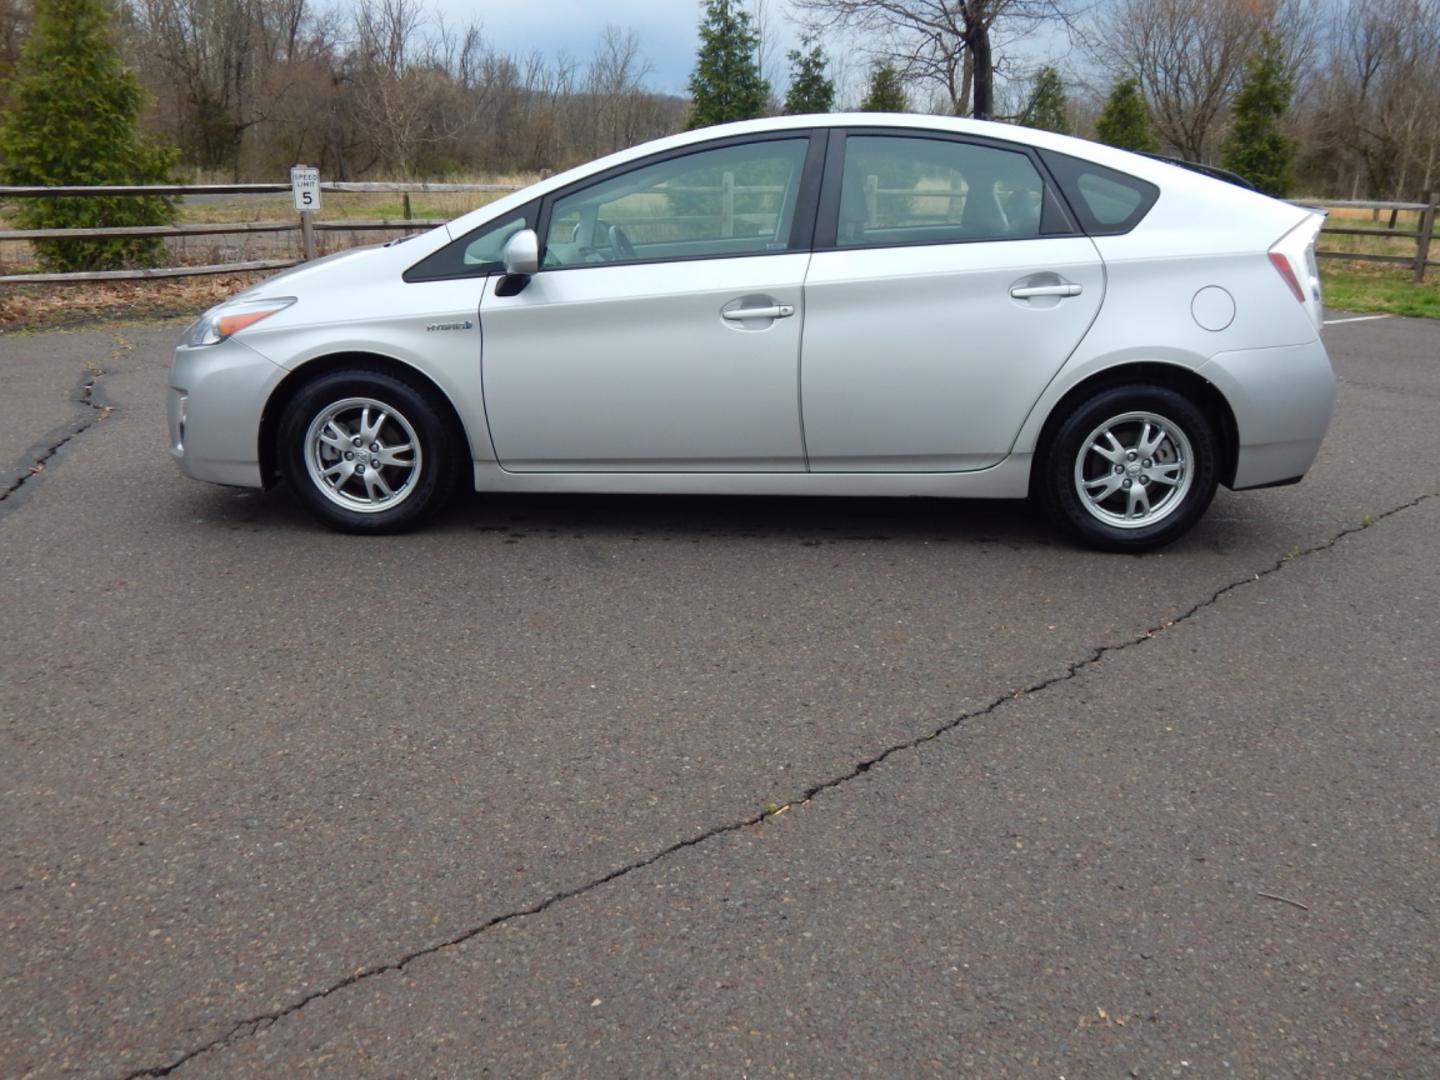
(32, 463)
(87, 392)
(256, 1024)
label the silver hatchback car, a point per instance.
(824, 305)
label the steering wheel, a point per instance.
(620, 244)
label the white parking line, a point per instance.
(1355, 318)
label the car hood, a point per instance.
(309, 271)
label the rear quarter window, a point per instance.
(1107, 202)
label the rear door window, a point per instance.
(902, 189)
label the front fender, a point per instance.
(430, 327)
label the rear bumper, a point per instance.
(216, 397)
(1282, 399)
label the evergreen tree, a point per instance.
(1046, 108)
(1256, 148)
(73, 119)
(811, 90)
(726, 83)
(1125, 121)
(885, 93)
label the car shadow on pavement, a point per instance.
(808, 521)
(811, 521)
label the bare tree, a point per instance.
(355, 86)
(207, 53)
(412, 73)
(947, 45)
(220, 68)
(1373, 125)
(767, 51)
(615, 86)
(1189, 57)
(540, 138)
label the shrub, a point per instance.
(73, 119)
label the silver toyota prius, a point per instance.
(808, 305)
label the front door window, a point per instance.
(733, 200)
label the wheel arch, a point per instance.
(1205, 394)
(305, 373)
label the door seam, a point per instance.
(800, 362)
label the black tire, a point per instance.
(420, 483)
(1189, 454)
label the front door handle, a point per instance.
(778, 311)
(1025, 292)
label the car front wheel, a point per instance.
(366, 452)
(1132, 468)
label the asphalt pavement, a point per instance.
(630, 786)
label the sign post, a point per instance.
(305, 187)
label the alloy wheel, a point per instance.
(363, 455)
(1134, 470)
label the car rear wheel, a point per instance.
(367, 452)
(1131, 468)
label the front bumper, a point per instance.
(217, 395)
(1282, 399)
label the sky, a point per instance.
(666, 29)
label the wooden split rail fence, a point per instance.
(303, 224)
(1422, 235)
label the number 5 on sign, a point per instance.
(305, 185)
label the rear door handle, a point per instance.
(1025, 292)
(778, 311)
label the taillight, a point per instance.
(1293, 257)
(1286, 271)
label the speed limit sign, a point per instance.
(305, 186)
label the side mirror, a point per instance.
(522, 254)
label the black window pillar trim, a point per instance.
(530, 211)
(807, 200)
(827, 222)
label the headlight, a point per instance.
(219, 323)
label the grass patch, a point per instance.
(1376, 287)
(1379, 287)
